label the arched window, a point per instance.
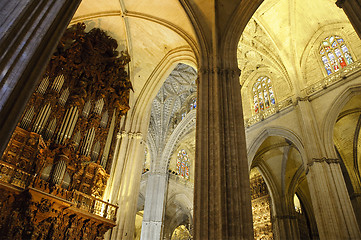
(183, 164)
(263, 96)
(193, 104)
(334, 54)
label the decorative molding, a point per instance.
(182, 129)
(234, 72)
(321, 160)
(132, 135)
(302, 99)
(333, 78)
(269, 112)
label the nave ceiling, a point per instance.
(276, 41)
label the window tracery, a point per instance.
(183, 164)
(263, 95)
(334, 54)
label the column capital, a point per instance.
(221, 71)
(302, 99)
(320, 160)
(158, 173)
(134, 135)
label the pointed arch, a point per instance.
(275, 131)
(330, 118)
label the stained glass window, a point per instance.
(193, 104)
(263, 95)
(183, 164)
(334, 54)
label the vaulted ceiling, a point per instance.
(274, 40)
(148, 30)
(281, 41)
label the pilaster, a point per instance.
(127, 182)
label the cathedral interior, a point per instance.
(180, 119)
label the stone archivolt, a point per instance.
(54, 171)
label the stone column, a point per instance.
(125, 189)
(332, 206)
(222, 199)
(29, 32)
(285, 227)
(154, 207)
(222, 202)
(352, 8)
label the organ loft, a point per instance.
(54, 171)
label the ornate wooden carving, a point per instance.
(55, 168)
(31, 214)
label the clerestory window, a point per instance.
(263, 95)
(334, 54)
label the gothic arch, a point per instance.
(330, 118)
(241, 17)
(140, 112)
(183, 128)
(318, 36)
(275, 131)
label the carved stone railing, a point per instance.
(333, 78)
(269, 112)
(11, 175)
(177, 178)
(312, 89)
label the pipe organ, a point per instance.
(60, 155)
